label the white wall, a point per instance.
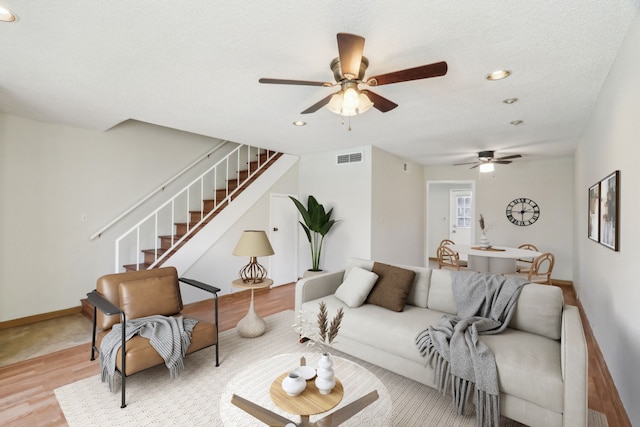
(347, 189)
(549, 183)
(607, 281)
(398, 200)
(49, 176)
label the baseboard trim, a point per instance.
(39, 317)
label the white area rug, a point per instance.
(197, 397)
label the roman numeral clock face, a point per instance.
(523, 212)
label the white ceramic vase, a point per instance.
(484, 242)
(293, 384)
(325, 380)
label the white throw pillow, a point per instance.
(356, 287)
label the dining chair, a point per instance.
(541, 269)
(446, 242)
(526, 261)
(447, 257)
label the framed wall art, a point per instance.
(594, 213)
(610, 211)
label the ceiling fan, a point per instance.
(348, 71)
(487, 157)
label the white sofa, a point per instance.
(541, 357)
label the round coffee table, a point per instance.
(254, 384)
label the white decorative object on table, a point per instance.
(293, 384)
(325, 380)
(484, 242)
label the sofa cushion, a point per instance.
(357, 262)
(539, 310)
(441, 293)
(392, 288)
(356, 287)
(529, 367)
(150, 296)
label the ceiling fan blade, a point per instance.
(423, 72)
(318, 105)
(294, 82)
(501, 162)
(514, 156)
(343, 414)
(350, 47)
(467, 163)
(473, 167)
(379, 102)
(266, 416)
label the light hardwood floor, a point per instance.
(26, 388)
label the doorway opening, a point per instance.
(450, 211)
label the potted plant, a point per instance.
(316, 225)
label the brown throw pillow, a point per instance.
(392, 288)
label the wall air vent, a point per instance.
(343, 159)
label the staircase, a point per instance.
(237, 171)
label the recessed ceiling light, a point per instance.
(517, 122)
(299, 123)
(499, 75)
(6, 15)
(510, 100)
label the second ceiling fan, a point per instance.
(348, 71)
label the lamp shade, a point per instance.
(253, 243)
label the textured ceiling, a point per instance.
(195, 66)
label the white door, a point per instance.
(461, 216)
(283, 234)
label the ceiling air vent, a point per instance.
(356, 157)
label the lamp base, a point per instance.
(253, 272)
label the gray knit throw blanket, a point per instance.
(169, 336)
(460, 360)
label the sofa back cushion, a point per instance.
(419, 292)
(441, 293)
(539, 310)
(109, 287)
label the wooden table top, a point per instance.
(239, 283)
(309, 402)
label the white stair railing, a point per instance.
(177, 219)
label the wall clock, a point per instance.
(523, 211)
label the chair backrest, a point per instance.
(541, 268)
(447, 257)
(140, 294)
(528, 247)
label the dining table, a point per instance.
(494, 259)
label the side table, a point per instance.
(251, 325)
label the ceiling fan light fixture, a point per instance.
(6, 15)
(349, 102)
(499, 75)
(486, 167)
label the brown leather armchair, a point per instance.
(124, 296)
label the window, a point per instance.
(463, 212)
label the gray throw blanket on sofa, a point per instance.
(169, 336)
(461, 361)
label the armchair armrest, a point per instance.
(200, 285)
(318, 286)
(102, 304)
(574, 368)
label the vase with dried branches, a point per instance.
(484, 242)
(323, 335)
